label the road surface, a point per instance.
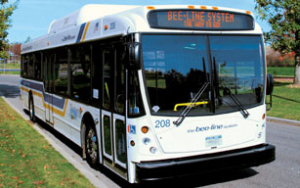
(283, 172)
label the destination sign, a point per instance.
(200, 20)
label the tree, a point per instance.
(16, 48)
(284, 17)
(5, 22)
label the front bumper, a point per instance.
(241, 158)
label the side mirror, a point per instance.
(270, 84)
(134, 56)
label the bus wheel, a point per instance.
(31, 110)
(91, 146)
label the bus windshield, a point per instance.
(177, 66)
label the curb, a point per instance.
(285, 121)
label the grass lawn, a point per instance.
(28, 160)
(286, 102)
(281, 71)
(10, 66)
(10, 72)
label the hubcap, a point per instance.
(91, 144)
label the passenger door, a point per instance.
(113, 112)
(48, 86)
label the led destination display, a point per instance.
(200, 20)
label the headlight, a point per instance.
(146, 141)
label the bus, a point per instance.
(153, 92)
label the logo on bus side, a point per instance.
(212, 128)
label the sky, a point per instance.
(32, 17)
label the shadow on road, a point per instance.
(9, 91)
(186, 182)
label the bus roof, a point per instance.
(85, 14)
(95, 21)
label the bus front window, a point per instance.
(239, 71)
(177, 66)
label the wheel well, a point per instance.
(87, 119)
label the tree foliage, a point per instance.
(5, 12)
(284, 18)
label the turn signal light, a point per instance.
(145, 129)
(263, 116)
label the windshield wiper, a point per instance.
(195, 98)
(236, 101)
(192, 104)
(227, 91)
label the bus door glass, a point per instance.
(48, 86)
(113, 112)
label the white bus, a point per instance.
(153, 92)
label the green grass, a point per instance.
(10, 72)
(10, 66)
(28, 160)
(281, 71)
(286, 102)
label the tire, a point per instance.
(91, 147)
(31, 110)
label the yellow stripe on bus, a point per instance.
(56, 111)
(85, 31)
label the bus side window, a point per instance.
(30, 70)
(24, 64)
(38, 66)
(135, 103)
(96, 74)
(61, 72)
(80, 65)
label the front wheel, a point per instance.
(31, 110)
(91, 147)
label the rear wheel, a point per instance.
(91, 146)
(31, 110)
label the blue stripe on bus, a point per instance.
(80, 32)
(57, 102)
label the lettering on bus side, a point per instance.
(213, 127)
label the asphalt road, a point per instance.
(283, 172)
